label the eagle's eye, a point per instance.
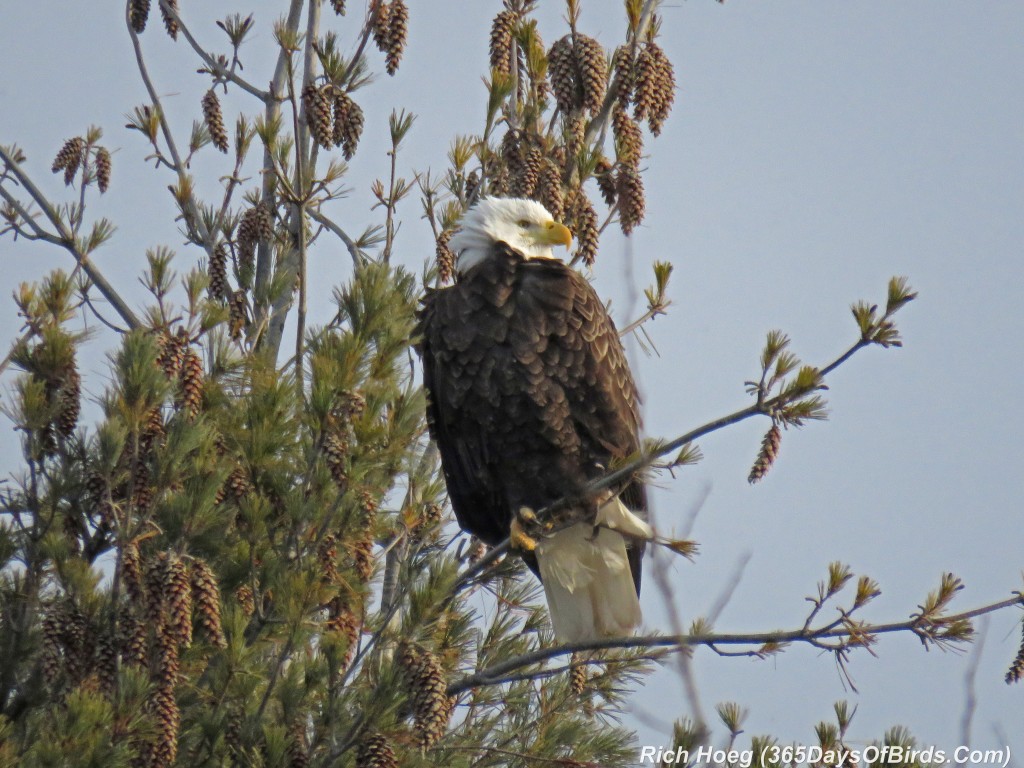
(524, 223)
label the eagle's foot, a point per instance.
(520, 539)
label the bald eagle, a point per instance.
(530, 398)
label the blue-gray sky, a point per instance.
(815, 150)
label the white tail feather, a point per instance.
(587, 579)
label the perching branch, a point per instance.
(497, 673)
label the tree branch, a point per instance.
(496, 672)
(211, 62)
(64, 238)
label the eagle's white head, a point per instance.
(525, 225)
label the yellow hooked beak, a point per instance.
(553, 233)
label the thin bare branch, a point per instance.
(498, 671)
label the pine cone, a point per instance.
(153, 431)
(335, 453)
(138, 14)
(578, 676)
(50, 657)
(163, 704)
(1016, 670)
(327, 556)
(375, 752)
(69, 401)
(254, 227)
(381, 26)
(501, 41)
(238, 314)
(206, 599)
(654, 90)
(511, 152)
(663, 85)
(298, 747)
(103, 167)
(344, 621)
(217, 271)
(472, 185)
(215, 120)
(362, 557)
(348, 124)
(318, 114)
(339, 7)
(170, 23)
(632, 204)
(69, 159)
(133, 639)
(767, 455)
(238, 483)
(172, 354)
(585, 228)
(562, 73)
(398, 30)
(592, 65)
(525, 182)
(156, 578)
(191, 384)
(246, 599)
(179, 602)
(432, 707)
(629, 141)
(131, 572)
(622, 66)
(106, 662)
(605, 176)
(549, 190)
(445, 256)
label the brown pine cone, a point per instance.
(432, 707)
(318, 115)
(206, 599)
(549, 190)
(103, 167)
(191, 379)
(375, 752)
(445, 256)
(604, 173)
(632, 203)
(179, 603)
(562, 73)
(215, 120)
(592, 66)
(217, 271)
(69, 159)
(348, 124)
(584, 228)
(69, 402)
(138, 14)
(501, 41)
(381, 26)
(629, 141)
(398, 30)
(170, 23)
(767, 455)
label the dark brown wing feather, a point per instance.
(529, 392)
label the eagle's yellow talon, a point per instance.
(518, 535)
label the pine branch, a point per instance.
(500, 673)
(63, 237)
(215, 66)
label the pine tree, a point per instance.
(243, 555)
